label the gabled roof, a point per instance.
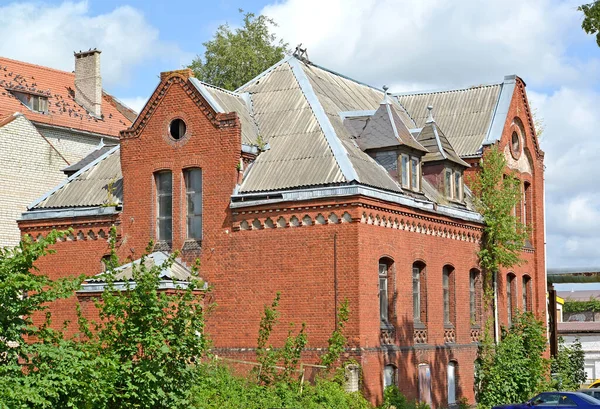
(439, 147)
(92, 156)
(296, 106)
(99, 183)
(470, 117)
(58, 86)
(384, 129)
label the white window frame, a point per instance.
(160, 194)
(189, 193)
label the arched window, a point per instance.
(510, 297)
(389, 376)
(475, 296)
(193, 193)
(419, 293)
(451, 383)
(448, 294)
(527, 300)
(164, 206)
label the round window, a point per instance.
(515, 144)
(177, 128)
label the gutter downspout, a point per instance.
(335, 286)
(496, 328)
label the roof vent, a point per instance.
(88, 82)
(430, 114)
(300, 53)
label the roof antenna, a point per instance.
(300, 53)
(430, 115)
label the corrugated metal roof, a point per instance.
(70, 170)
(229, 101)
(176, 271)
(464, 114)
(90, 186)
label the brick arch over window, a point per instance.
(419, 291)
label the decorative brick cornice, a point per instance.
(523, 94)
(219, 120)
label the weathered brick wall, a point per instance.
(30, 168)
(72, 145)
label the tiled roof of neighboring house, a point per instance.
(578, 327)
(466, 115)
(58, 86)
(99, 183)
(439, 147)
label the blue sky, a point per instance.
(406, 44)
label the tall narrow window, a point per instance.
(193, 191)
(405, 171)
(527, 294)
(448, 182)
(447, 288)
(383, 293)
(510, 279)
(164, 202)
(451, 383)
(457, 185)
(473, 296)
(415, 174)
(416, 285)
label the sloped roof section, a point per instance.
(384, 129)
(58, 86)
(99, 183)
(227, 101)
(439, 147)
(465, 115)
(76, 167)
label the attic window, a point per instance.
(411, 172)
(177, 128)
(453, 184)
(515, 145)
(37, 103)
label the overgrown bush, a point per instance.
(514, 369)
(394, 399)
(568, 371)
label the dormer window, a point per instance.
(411, 172)
(37, 103)
(453, 184)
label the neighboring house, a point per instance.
(49, 120)
(311, 184)
(582, 325)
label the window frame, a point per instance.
(526, 293)
(405, 165)
(415, 173)
(186, 175)
(394, 375)
(159, 195)
(510, 294)
(448, 295)
(416, 287)
(384, 305)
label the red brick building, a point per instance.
(322, 188)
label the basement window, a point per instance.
(177, 128)
(37, 103)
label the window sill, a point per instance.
(162, 246)
(191, 245)
(475, 326)
(419, 325)
(386, 326)
(448, 325)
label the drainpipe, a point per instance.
(335, 286)
(496, 328)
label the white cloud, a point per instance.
(135, 103)
(48, 34)
(425, 44)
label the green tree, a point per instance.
(591, 19)
(234, 57)
(567, 367)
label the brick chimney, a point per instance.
(88, 82)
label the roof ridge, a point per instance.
(340, 153)
(343, 76)
(206, 84)
(73, 176)
(37, 66)
(265, 72)
(446, 90)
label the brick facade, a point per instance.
(314, 251)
